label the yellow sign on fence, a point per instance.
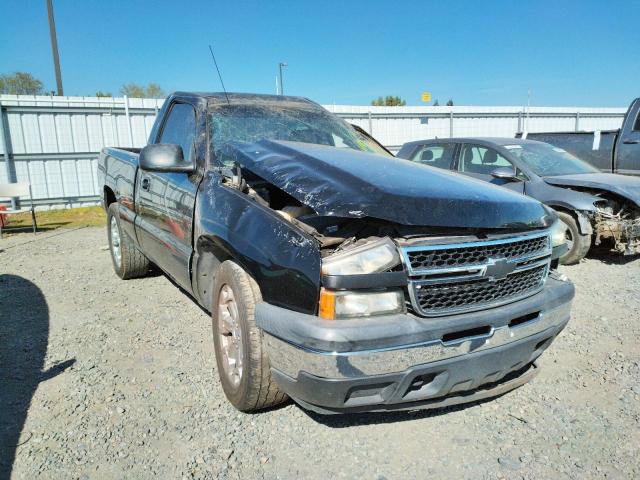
(426, 97)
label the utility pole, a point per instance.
(54, 47)
(282, 64)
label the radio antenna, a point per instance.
(219, 76)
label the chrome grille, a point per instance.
(469, 255)
(460, 277)
(441, 298)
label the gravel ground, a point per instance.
(101, 378)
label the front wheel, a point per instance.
(578, 243)
(243, 366)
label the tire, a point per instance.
(579, 244)
(246, 382)
(131, 262)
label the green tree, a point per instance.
(21, 83)
(132, 90)
(450, 103)
(389, 101)
(153, 90)
(436, 103)
(100, 93)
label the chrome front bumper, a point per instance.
(292, 359)
(405, 361)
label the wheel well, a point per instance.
(559, 208)
(574, 214)
(204, 268)
(210, 254)
(109, 197)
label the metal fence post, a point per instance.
(519, 121)
(7, 152)
(451, 124)
(126, 112)
(577, 121)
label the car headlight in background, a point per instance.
(557, 231)
(335, 305)
(373, 257)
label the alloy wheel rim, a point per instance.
(115, 242)
(230, 335)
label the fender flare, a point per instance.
(584, 223)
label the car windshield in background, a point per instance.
(289, 121)
(549, 161)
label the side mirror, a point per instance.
(505, 173)
(164, 158)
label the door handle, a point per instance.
(145, 184)
(630, 141)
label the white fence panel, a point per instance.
(55, 141)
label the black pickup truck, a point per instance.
(612, 151)
(335, 273)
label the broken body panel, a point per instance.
(347, 183)
(616, 215)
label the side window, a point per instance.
(482, 160)
(439, 156)
(636, 127)
(180, 128)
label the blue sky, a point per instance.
(584, 53)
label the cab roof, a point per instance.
(214, 98)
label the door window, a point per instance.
(481, 160)
(180, 129)
(439, 156)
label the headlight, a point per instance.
(558, 233)
(372, 257)
(346, 304)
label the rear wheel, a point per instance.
(243, 366)
(128, 261)
(578, 243)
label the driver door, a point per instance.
(166, 200)
(479, 162)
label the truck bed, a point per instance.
(584, 145)
(117, 169)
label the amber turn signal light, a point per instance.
(327, 303)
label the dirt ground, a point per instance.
(102, 378)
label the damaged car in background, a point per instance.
(598, 208)
(335, 274)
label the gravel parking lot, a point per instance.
(101, 378)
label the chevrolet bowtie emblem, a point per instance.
(498, 269)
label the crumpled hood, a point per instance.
(623, 185)
(346, 183)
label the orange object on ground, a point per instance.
(3, 218)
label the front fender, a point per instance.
(283, 260)
(562, 197)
